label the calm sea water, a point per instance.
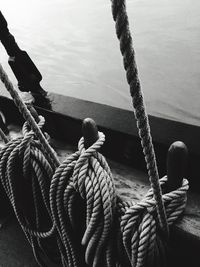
(73, 44)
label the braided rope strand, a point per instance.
(123, 33)
(88, 224)
(25, 174)
(27, 116)
(136, 240)
(88, 219)
(4, 138)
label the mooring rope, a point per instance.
(123, 33)
(91, 224)
(111, 231)
(139, 225)
(28, 117)
(4, 138)
(25, 173)
(84, 175)
(85, 220)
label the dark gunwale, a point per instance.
(122, 145)
(122, 141)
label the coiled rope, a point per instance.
(26, 174)
(94, 227)
(113, 232)
(28, 117)
(109, 232)
(84, 174)
(141, 237)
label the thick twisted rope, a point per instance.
(28, 117)
(4, 138)
(85, 179)
(85, 176)
(25, 173)
(101, 236)
(129, 237)
(112, 232)
(123, 33)
(139, 225)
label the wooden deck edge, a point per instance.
(70, 127)
(133, 184)
(122, 142)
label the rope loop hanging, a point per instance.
(85, 219)
(25, 173)
(86, 176)
(28, 117)
(141, 238)
(96, 227)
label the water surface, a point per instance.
(73, 44)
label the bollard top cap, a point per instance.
(90, 132)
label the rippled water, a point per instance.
(73, 44)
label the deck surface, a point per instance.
(14, 248)
(130, 183)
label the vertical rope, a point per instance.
(27, 116)
(3, 136)
(123, 33)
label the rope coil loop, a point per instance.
(86, 176)
(141, 237)
(28, 117)
(25, 174)
(74, 205)
(113, 232)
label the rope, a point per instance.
(86, 176)
(139, 226)
(25, 173)
(4, 138)
(75, 208)
(86, 222)
(28, 117)
(123, 33)
(86, 210)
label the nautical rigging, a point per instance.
(110, 231)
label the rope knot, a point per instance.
(26, 129)
(141, 235)
(85, 161)
(85, 174)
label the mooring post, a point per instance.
(90, 132)
(176, 165)
(25, 71)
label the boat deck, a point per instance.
(14, 248)
(130, 183)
